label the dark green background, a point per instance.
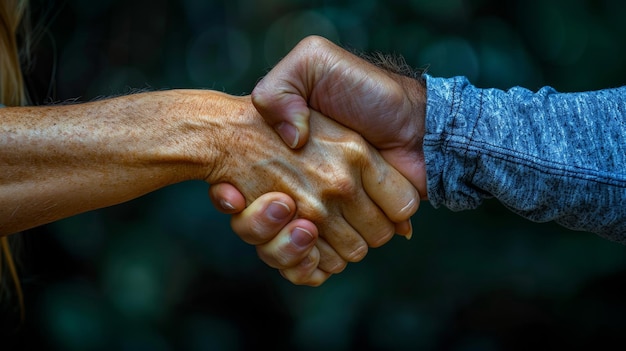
(165, 272)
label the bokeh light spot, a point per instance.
(73, 317)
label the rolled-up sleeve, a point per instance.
(547, 156)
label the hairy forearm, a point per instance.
(57, 161)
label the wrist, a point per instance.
(187, 132)
(210, 135)
(415, 91)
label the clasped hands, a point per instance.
(347, 174)
(337, 193)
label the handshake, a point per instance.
(347, 175)
(328, 156)
(351, 191)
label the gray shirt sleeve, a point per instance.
(547, 156)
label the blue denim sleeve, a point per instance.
(547, 156)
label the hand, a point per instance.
(281, 243)
(386, 108)
(336, 181)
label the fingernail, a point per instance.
(407, 205)
(289, 133)
(278, 211)
(410, 234)
(301, 237)
(226, 205)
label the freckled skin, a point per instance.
(58, 161)
(333, 178)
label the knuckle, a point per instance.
(358, 254)
(339, 182)
(257, 95)
(290, 255)
(314, 209)
(357, 151)
(259, 230)
(283, 260)
(262, 98)
(314, 42)
(355, 145)
(339, 267)
(343, 185)
(307, 264)
(383, 238)
(301, 274)
(334, 266)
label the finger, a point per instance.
(330, 260)
(369, 221)
(391, 191)
(287, 111)
(307, 271)
(405, 229)
(292, 245)
(281, 97)
(226, 198)
(344, 239)
(264, 218)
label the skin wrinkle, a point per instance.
(307, 193)
(97, 154)
(301, 67)
(15, 210)
(358, 254)
(294, 175)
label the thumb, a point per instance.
(284, 109)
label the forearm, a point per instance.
(546, 155)
(57, 161)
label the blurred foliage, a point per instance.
(165, 272)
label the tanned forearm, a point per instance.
(57, 161)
